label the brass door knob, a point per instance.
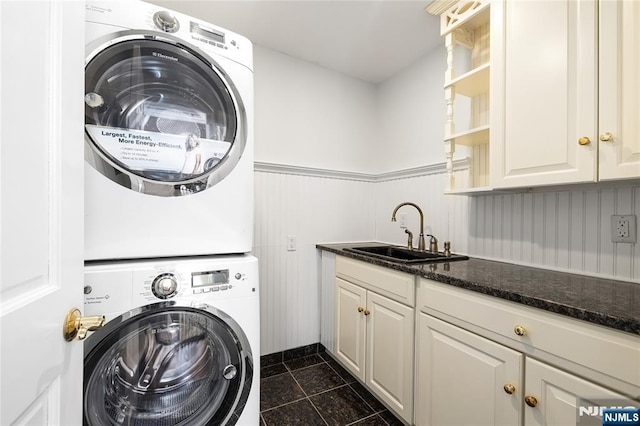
(584, 140)
(509, 388)
(520, 330)
(367, 312)
(360, 309)
(606, 137)
(531, 400)
(77, 326)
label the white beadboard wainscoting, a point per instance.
(563, 229)
(314, 207)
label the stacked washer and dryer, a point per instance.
(169, 220)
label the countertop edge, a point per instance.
(608, 320)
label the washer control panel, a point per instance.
(164, 286)
(111, 289)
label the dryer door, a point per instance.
(161, 117)
(166, 364)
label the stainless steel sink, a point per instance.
(404, 255)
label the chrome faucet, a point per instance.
(421, 244)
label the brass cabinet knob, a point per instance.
(360, 309)
(367, 312)
(520, 330)
(531, 400)
(77, 326)
(606, 137)
(509, 388)
(584, 140)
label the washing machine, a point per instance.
(168, 134)
(181, 342)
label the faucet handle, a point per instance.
(409, 239)
(433, 244)
(447, 248)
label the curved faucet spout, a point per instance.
(421, 243)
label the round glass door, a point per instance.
(160, 117)
(167, 365)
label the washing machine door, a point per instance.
(166, 364)
(161, 116)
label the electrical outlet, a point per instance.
(623, 228)
(403, 220)
(291, 242)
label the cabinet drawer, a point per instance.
(398, 286)
(607, 351)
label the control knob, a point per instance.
(166, 21)
(165, 286)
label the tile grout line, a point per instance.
(307, 397)
(324, 360)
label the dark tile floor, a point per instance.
(308, 387)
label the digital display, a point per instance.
(210, 34)
(202, 279)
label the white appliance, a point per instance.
(169, 134)
(181, 344)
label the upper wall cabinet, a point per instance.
(619, 90)
(558, 115)
(564, 99)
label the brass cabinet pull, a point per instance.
(509, 388)
(77, 326)
(584, 140)
(531, 400)
(606, 137)
(360, 309)
(367, 312)
(520, 330)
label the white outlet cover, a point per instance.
(621, 225)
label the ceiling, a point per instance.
(370, 40)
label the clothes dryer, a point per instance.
(169, 134)
(181, 344)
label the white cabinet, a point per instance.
(374, 334)
(557, 114)
(619, 90)
(554, 397)
(551, 96)
(350, 324)
(462, 377)
(501, 363)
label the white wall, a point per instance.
(310, 116)
(411, 115)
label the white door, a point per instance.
(619, 149)
(389, 353)
(546, 101)
(557, 396)
(41, 209)
(351, 302)
(463, 376)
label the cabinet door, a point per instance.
(461, 378)
(559, 396)
(619, 90)
(350, 326)
(389, 364)
(543, 89)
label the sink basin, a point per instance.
(404, 255)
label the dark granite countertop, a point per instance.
(610, 303)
